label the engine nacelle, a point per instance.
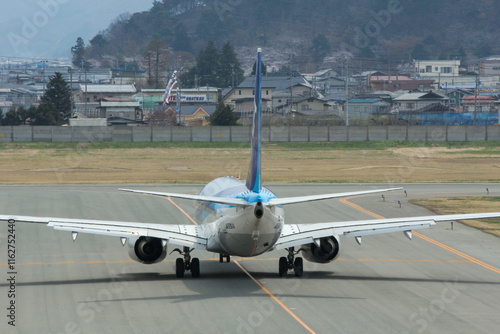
(327, 251)
(147, 250)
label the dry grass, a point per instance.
(325, 163)
(53, 164)
(457, 205)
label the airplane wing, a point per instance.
(301, 234)
(213, 199)
(181, 235)
(303, 199)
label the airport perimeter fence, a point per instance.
(243, 133)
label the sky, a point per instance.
(49, 28)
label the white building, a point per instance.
(438, 68)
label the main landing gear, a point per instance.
(186, 263)
(223, 257)
(291, 262)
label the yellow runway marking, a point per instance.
(181, 210)
(421, 236)
(275, 299)
(255, 280)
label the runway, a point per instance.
(444, 281)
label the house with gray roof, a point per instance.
(93, 93)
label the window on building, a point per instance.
(428, 69)
(410, 105)
(305, 107)
(446, 69)
(239, 92)
(267, 92)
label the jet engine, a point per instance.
(147, 250)
(327, 251)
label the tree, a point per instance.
(483, 51)
(223, 115)
(320, 47)
(163, 118)
(419, 52)
(230, 72)
(11, 117)
(182, 41)
(207, 63)
(58, 94)
(366, 53)
(155, 59)
(46, 114)
(78, 51)
(263, 68)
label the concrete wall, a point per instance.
(242, 134)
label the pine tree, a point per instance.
(230, 72)
(223, 115)
(320, 47)
(78, 52)
(46, 114)
(58, 94)
(11, 117)
(419, 52)
(207, 63)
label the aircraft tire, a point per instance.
(195, 267)
(283, 266)
(298, 267)
(179, 268)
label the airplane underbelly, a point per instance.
(247, 245)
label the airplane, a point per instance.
(242, 218)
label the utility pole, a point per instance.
(70, 70)
(346, 94)
(475, 99)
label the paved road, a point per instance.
(387, 285)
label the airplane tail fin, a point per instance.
(254, 177)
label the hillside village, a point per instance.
(431, 92)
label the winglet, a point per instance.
(254, 178)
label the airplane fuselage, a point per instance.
(235, 230)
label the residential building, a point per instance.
(456, 96)
(366, 108)
(435, 68)
(120, 111)
(480, 103)
(418, 101)
(124, 77)
(192, 115)
(270, 85)
(94, 93)
(486, 66)
(394, 83)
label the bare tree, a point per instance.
(155, 60)
(163, 118)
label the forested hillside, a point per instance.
(387, 30)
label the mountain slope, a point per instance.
(386, 29)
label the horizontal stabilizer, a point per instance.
(303, 199)
(213, 199)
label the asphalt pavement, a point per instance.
(442, 281)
